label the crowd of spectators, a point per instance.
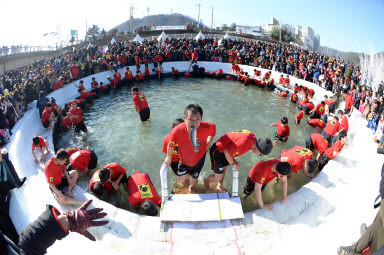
(21, 86)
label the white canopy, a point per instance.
(138, 39)
(162, 37)
(200, 35)
(220, 42)
(227, 36)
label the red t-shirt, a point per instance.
(236, 143)
(281, 80)
(348, 102)
(45, 116)
(195, 55)
(297, 156)
(282, 130)
(344, 123)
(141, 189)
(235, 67)
(117, 76)
(53, 172)
(117, 170)
(319, 142)
(86, 94)
(95, 179)
(128, 74)
(332, 127)
(286, 81)
(175, 154)
(294, 97)
(175, 71)
(317, 122)
(180, 136)
(335, 147)
(40, 144)
(94, 84)
(140, 100)
(300, 115)
(262, 172)
(328, 102)
(80, 159)
(320, 109)
(77, 111)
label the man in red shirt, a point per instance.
(175, 72)
(195, 57)
(299, 117)
(41, 145)
(300, 158)
(235, 68)
(283, 130)
(316, 122)
(142, 193)
(175, 153)
(331, 105)
(229, 146)
(344, 121)
(333, 151)
(294, 97)
(264, 172)
(348, 108)
(75, 117)
(318, 111)
(83, 160)
(114, 174)
(97, 187)
(128, 76)
(139, 76)
(48, 116)
(112, 82)
(94, 86)
(141, 105)
(58, 178)
(194, 138)
(318, 142)
(331, 129)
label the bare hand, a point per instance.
(283, 200)
(236, 165)
(115, 185)
(81, 219)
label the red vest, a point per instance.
(141, 189)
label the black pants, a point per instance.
(145, 114)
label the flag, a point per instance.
(113, 41)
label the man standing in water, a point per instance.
(141, 105)
(194, 138)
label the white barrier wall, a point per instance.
(316, 219)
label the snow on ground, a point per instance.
(321, 216)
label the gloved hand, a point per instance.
(81, 219)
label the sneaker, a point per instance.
(363, 228)
(344, 250)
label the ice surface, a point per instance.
(321, 216)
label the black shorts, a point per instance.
(326, 136)
(347, 111)
(332, 108)
(293, 101)
(175, 166)
(193, 171)
(80, 127)
(323, 161)
(280, 138)
(249, 187)
(218, 160)
(124, 179)
(93, 161)
(315, 115)
(62, 185)
(144, 114)
(298, 121)
(155, 64)
(309, 143)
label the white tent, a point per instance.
(162, 37)
(227, 36)
(220, 42)
(200, 35)
(138, 39)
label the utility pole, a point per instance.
(130, 18)
(86, 29)
(198, 17)
(280, 30)
(147, 10)
(212, 19)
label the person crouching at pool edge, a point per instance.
(264, 172)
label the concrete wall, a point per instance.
(14, 61)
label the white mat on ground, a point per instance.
(201, 207)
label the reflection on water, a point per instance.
(117, 135)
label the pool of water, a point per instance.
(116, 133)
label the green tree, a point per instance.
(298, 40)
(232, 27)
(224, 27)
(103, 33)
(286, 36)
(92, 33)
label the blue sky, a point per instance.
(348, 25)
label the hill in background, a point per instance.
(158, 20)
